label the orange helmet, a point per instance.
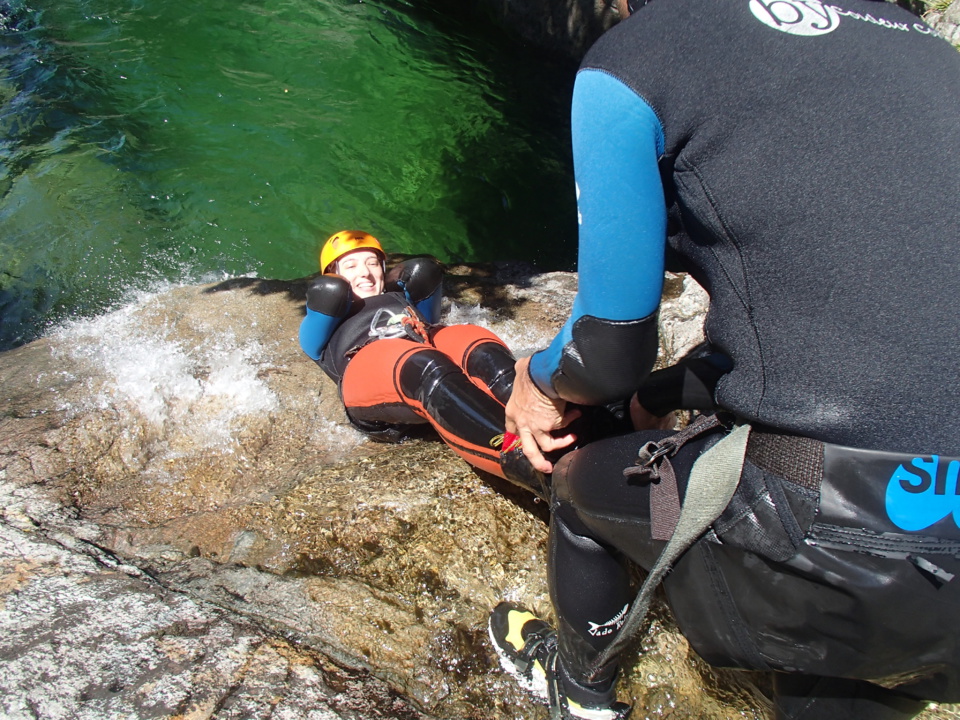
(347, 241)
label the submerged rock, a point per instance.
(192, 475)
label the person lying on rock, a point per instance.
(377, 334)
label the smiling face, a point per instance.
(364, 271)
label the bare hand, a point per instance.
(643, 419)
(534, 417)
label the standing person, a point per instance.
(378, 336)
(802, 160)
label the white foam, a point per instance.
(519, 337)
(339, 439)
(197, 390)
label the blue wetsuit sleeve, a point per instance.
(617, 142)
(431, 307)
(328, 301)
(316, 329)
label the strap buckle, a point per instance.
(652, 452)
(650, 456)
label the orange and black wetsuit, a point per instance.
(396, 366)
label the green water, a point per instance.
(145, 141)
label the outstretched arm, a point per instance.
(609, 343)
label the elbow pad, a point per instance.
(330, 295)
(328, 302)
(421, 281)
(606, 360)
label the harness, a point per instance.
(388, 324)
(893, 507)
(710, 487)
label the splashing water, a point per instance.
(518, 336)
(203, 391)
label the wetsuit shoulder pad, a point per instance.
(421, 281)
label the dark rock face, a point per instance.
(568, 28)
(192, 529)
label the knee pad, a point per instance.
(422, 372)
(463, 413)
(493, 364)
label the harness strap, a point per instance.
(713, 480)
(792, 457)
(388, 324)
(415, 326)
(653, 461)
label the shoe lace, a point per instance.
(538, 645)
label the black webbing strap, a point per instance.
(792, 457)
(653, 462)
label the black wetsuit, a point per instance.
(800, 156)
(356, 330)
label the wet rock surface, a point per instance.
(192, 529)
(85, 634)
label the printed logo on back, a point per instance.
(923, 493)
(796, 17)
(812, 17)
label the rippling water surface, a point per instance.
(145, 141)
